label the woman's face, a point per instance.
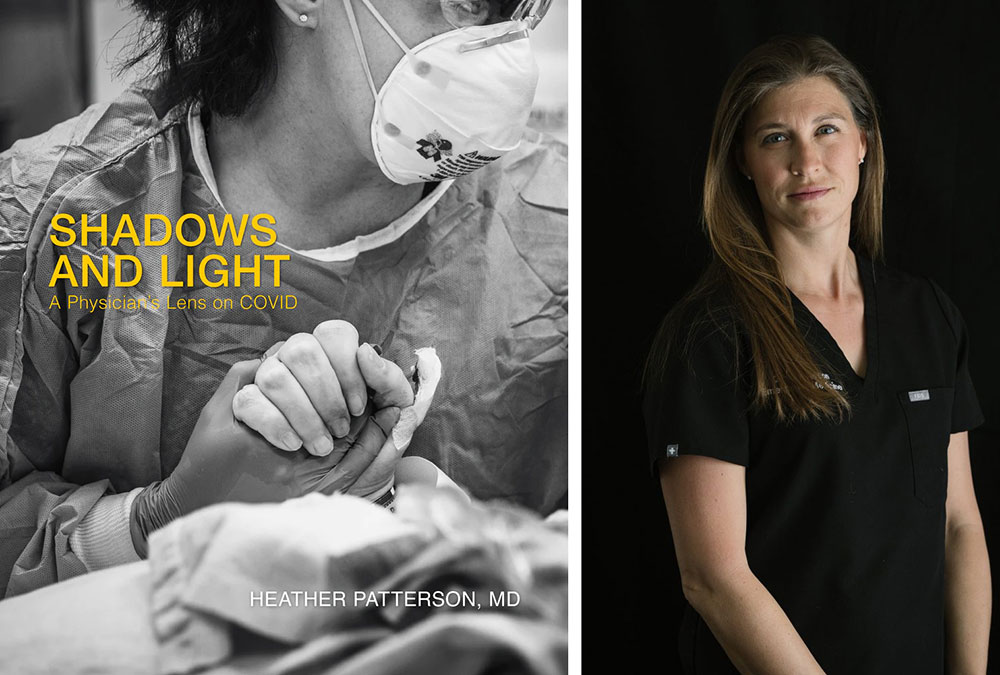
(802, 149)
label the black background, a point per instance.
(652, 76)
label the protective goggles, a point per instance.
(466, 13)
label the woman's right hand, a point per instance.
(310, 386)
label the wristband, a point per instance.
(388, 500)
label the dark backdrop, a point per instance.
(652, 75)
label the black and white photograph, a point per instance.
(790, 307)
(284, 344)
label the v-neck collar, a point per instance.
(820, 339)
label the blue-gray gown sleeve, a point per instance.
(697, 405)
(38, 509)
(41, 347)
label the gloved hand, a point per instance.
(226, 461)
(310, 385)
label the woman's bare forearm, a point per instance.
(752, 628)
(968, 599)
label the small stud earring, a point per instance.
(749, 178)
(303, 18)
(862, 161)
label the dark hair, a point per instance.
(220, 52)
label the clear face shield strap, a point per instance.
(525, 17)
(509, 36)
(353, 21)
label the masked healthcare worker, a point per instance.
(807, 408)
(386, 141)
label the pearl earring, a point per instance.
(303, 17)
(862, 161)
(749, 178)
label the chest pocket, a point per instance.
(928, 423)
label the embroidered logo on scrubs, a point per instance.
(919, 395)
(829, 383)
(672, 450)
(434, 146)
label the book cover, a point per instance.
(283, 354)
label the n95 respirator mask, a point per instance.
(453, 103)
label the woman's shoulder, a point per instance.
(895, 281)
(35, 169)
(708, 315)
(695, 387)
(702, 332)
(526, 193)
(539, 171)
(917, 296)
(534, 177)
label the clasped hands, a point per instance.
(315, 414)
(312, 391)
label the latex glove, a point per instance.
(310, 385)
(226, 461)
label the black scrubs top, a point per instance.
(845, 522)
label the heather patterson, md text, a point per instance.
(331, 598)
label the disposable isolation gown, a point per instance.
(100, 402)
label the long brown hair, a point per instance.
(744, 268)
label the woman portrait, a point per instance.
(386, 144)
(807, 407)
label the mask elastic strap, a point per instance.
(353, 20)
(387, 27)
